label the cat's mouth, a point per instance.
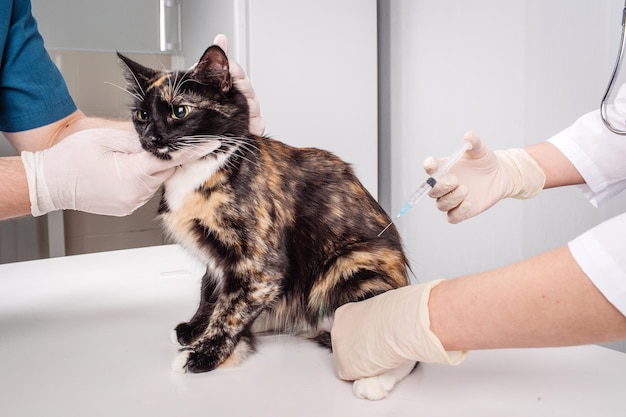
(162, 152)
(157, 147)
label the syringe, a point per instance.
(431, 182)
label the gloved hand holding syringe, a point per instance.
(431, 181)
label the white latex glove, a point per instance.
(243, 84)
(483, 177)
(100, 171)
(384, 332)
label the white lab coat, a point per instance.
(600, 157)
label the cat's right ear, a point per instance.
(213, 68)
(136, 74)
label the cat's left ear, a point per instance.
(136, 74)
(213, 67)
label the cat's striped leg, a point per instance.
(229, 329)
(185, 333)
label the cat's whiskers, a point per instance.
(193, 150)
(177, 83)
(232, 156)
(134, 94)
(190, 142)
(240, 143)
(141, 94)
(231, 161)
(170, 90)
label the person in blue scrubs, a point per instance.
(32, 90)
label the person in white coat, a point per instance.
(572, 295)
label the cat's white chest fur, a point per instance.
(189, 177)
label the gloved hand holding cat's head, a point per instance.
(99, 171)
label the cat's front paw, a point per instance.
(203, 357)
(373, 388)
(180, 361)
(188, 360)
(184, 334)
(174, 337)
(378, 387)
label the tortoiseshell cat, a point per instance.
(288, 235)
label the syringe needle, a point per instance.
(385, 229)
(431, 181)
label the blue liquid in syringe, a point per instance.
(431, 182)
(417, 196)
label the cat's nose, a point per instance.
(154, 144)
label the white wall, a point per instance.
(202, 21)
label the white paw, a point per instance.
(180, 361)
(373, 388)
(378, 387)
(174, 337)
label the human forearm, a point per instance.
(85, 123)
(46, 136)
(14, 200)
(14, 191)
(540, 302)
(543, 301)
(558, 170)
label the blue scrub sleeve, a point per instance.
(33, 92)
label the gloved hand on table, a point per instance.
(100, 171)
(383, 332)
(483, 177)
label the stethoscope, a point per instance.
(609, 87)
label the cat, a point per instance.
(287, 234)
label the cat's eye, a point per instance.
(180, 112)
(141, 115)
